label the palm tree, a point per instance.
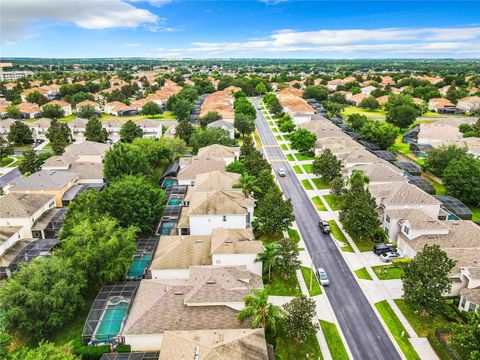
(262, 312)
(269, 257)
(247, 183)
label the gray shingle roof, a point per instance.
(22, 205)
(44, 180)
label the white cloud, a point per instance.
(156, 3)
(17, 15)
(132, 44)
(386, 42)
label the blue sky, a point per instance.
(264, 29)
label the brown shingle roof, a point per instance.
(219, 203)
(198, 166)
(403, 194)
(235, 241)
(22, 205)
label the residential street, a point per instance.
(365, 335)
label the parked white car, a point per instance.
(282, 172)
(322, 276)
(389, 256)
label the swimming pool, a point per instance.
(169, 182)
(166, 227)
(111, 322)
(174, 201)
(139, 264)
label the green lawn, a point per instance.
(363, 274)
(297, 169)
(334, 341)
(279, 138)
(319, 204)
(338, 234)
(308, 275)
(22, 147)
(258, 141)
(396, 329)
(476, 213)
(364, 245)
(307, 168)
(403, 148)
(294, 235)
(274, 130)
(303, 157)
(307, 184)
(285, 147)
(375, 114)
(388, 272)
(167, 115)
(68, 118)
(333, 201)
(287, 349)
(320, 183)
(6, 160)
(290, 157)
(439, 188)
(283, 287)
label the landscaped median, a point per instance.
(289, 349)
(396, 329)
(283, 287)
(363, 274)
(307, 184)
(338, 234)
(318, 203)
(388, 272)
(310, 278)
(334, 341)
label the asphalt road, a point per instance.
(8, 177)
(365, 335)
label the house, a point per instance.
(382, 100)
(431, 79)
(228, 154)
(357, 99)
(443, 90)
(5, 126)
(88, 172)
(113, 127)
(437, 133)
(150, 128)
(470, 294)
(26, 92)
(208, 210)
(440, 105)
(223, 124)
(94, 104)
(469, 104)
(18, 210)
(65, 106)
(78, 127)
(89, 151)
(379, 173)
(355, 157)
(232, 344)
(29, 110)
(293, 103)
(208, 300)
(191, 167)
(367, 90)
(220, 102)
(55, 183)
(160, 97)
(118, 108)
(333, 84)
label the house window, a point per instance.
(387, 219)
(224, 218)
(472, 307)
(386, 231)
(462, 304)
(406, 229)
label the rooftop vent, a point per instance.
(178, 292)
(211, 282)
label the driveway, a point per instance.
(365, 335)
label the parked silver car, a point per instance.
(322, 276)
(389, 256)
(282, 172)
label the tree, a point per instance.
(244, 124)
(269, 258)
(59, 136)
(333, 108)
(5, 342)
(20, 133)
(182, 108)
(42, 296)
(35, 97)
(287, 126)
(275, 107)
(426, 280)
(247, 183)
(151, 108)
(52, 111)
(124, 159)
(358, 215)
(319, 93)
(133, 201)
(44, 351)
(303, 141)
(204, 137)
(236, 167)
(30, 163)
(273, 214)
(6, 148)
(130, 131)
(247, 148)
(262, 313)
(466, 337)
(369, 103)
(100, 248)
(357, 121)
(260, 88)
(94, 131)
(265, 181)
(462, 179)
(87, 112)
(288, 262)
(85, 206)
(13, 112)
(438, 159)
(380, 133)
(402, 116)
(208, 118)
(299, 317)
(337, 186)
(184, 130)
(254, 163)
(327, 165)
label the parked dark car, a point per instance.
(380, 249)
(324, 226)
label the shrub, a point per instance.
(89, 352)
(123, 348)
